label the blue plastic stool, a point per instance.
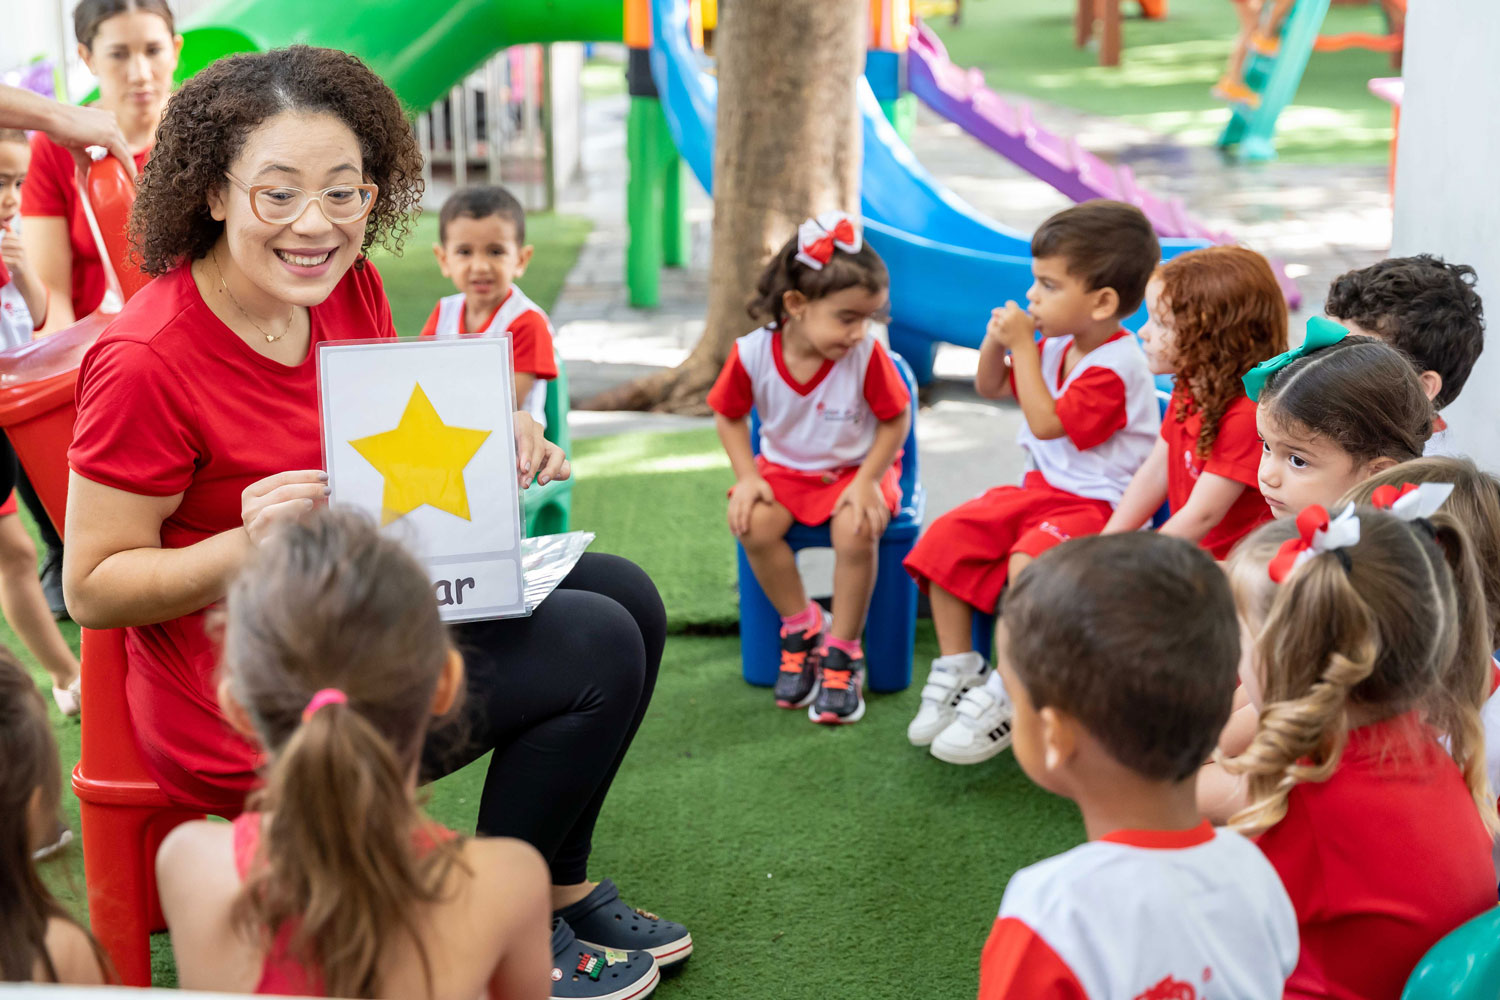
(891, 626)
(983, 635)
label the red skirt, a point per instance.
(810, 496)
(967, 551)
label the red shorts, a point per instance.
(9, 506)
(810, 496)
(967, 551)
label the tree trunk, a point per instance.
(788, 147)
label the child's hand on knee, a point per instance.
(742, 500)
(871, 514)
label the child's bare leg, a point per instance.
(953, 619)
(25, 607)
(772, 559)
(1249, 13)
(853, 574)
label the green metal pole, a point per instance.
(645, 200)
(676, 240)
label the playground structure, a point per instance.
(949, 263)
(1011, 130)
(1274, 79)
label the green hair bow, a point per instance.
(1321, 333)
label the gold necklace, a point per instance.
(269, 338)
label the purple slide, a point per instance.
(960, 96)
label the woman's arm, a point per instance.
(1144, 496)
(51, 256)
(73, 128)
(115, 572)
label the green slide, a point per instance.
(421, 48)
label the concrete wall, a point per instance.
(1447, 201)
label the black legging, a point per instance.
(558, 696)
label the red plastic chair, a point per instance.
(124, 814)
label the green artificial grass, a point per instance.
(413, 282)
(659, 499)
(1168, 66)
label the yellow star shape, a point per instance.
(422, 460)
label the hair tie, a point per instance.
(1316, 534)
(817, 237)
(327, 696)
(1321, 333)
(1411, 502)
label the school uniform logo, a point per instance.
(839, 414)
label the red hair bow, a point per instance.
(1316, 534)
(817, 238)
(1410, 501)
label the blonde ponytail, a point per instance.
(1377, 625)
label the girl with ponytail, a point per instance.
(1382, 842)
(334, 883)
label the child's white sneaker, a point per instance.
(980, 729)
(949, 678)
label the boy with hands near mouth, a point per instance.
(1091, 419)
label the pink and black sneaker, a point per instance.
(841, 683)
(798, 680)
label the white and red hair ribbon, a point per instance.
(1411, 502)
(1316, 534)
(818, 236)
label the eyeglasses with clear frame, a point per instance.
(282, 204)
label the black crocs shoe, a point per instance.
(841, 684)
(583, 972)
(798, 680)
(601, 920)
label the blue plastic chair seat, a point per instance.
(891, 625)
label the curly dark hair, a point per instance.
(1229, 315)
(205, 126)
(1423, 306)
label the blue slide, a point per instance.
(949, 264)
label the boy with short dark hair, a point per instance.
(1091, 419)
(1426, 308)
(1121, 653)
(482, 249)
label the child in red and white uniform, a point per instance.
(1475, 505)
(23, 307)
(834, 413)
(1381, 838)
(1158, 905)
(482, 248)
(1213, 314)
(1091, 418)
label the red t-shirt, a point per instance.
(1381, 860)
(171, 401)
(51, 191)
(1235, 454)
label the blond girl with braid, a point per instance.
(1382, 841)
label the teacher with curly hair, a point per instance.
(273, 174)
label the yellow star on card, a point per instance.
(422, 460)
